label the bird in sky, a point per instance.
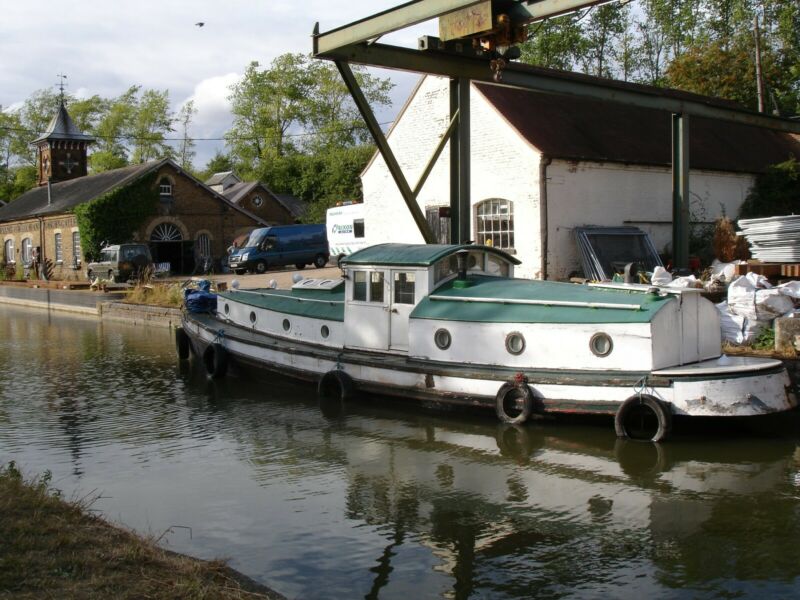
(199, 23)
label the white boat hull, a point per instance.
(732, 388)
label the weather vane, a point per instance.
(61, 85)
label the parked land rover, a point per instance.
(120, 262)
(297, 245)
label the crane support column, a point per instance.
(460, 180)
(680, 191)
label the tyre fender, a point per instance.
(215, 360)
(659, 409)
(335, 385)
(518, 395)
(182, 345)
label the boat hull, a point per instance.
(739, 388)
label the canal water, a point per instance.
(380, 501)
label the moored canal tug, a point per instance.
(451, 324)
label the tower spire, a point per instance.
(61, 85)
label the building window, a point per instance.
(59, 249)
(404, 288)
(76, 248)
(166, 232)
(27, 256)
(258, 201)
(494, 224)
(438, 218)
(203, 245)
(165, 187)
(8, 252)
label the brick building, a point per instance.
(192, 219)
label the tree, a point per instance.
(152, 119)
(554, 43)
(110, 151)
(186, 148)
(219, 163)
(604, 25)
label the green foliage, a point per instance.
(113, 217)
(765, 340)
(219, 163)
(776, 192)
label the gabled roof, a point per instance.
(218, 178)
(61, 127)
(238, 191)
(66, 195)
(576, 128)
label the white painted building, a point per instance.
(543, 165)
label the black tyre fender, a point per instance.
(182, 345)
(520, 395)
(320, 260)
(660, 410)
(335, 385)
(215, 360)
(339, 260)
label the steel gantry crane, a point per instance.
(477, 42)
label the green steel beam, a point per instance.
(680, 191)
(529, 12)
(455, 222)
(544, 80)
(436, 154)
(388, 156)
(385, 22)
(464, 167)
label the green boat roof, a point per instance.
(317, 304)
(415, 255)
(500, 300)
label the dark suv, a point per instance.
(121, 262)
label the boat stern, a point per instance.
(730, 387)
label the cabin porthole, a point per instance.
(442, 339)
(324, 331)
(515, 343)
(253, 317)
(601, 345)
(286, 325)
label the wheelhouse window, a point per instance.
(445, 268)
(59, 249)
(76, 247)
(376, 286)
(404, 284)
(496, 266)
(360, 286)
(368, 286)
(8, 252)
(165, 187)
(494, 223)
(26, 251)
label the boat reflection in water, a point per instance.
(368, 500)
(552, 509)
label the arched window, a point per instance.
(203, 244)
(59, 249)
(165, 187)
(8, 252)
(26, 251)
(76, 248)
(166, 232)
(494, 223)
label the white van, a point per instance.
(345, 228)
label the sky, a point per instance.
(106, 46)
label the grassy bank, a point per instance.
(52, 548)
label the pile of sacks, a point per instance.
(753, 303)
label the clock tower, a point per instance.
(62, 149)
